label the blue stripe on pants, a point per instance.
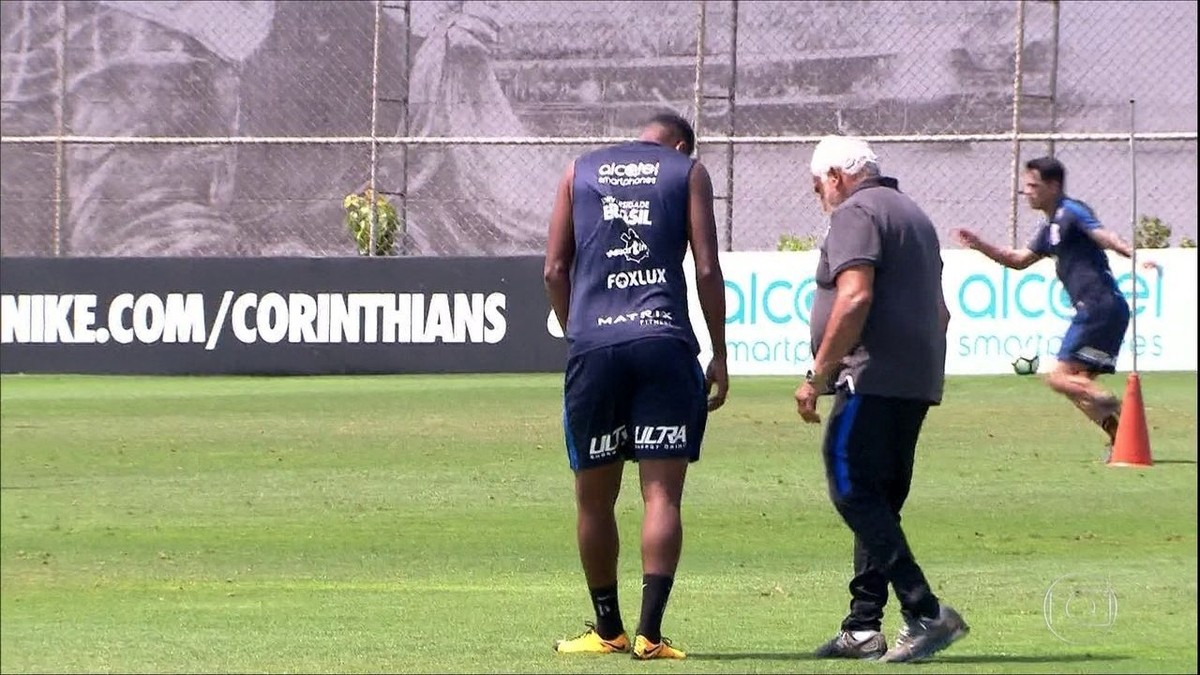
(840, 459)
(572, 452)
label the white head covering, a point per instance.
(847, 153)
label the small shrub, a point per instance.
(1152, 232)
(791, 242)
(358, 221)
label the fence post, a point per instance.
(402, 233)
(731, 127)
(60, 151)
(698, 87)
(374, 130)
(1018, 51)
(1055, 5)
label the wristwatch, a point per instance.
(820, 382)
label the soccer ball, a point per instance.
(1025, 365)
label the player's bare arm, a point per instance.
(710, 282)
(1014, 258)
(560, 249)
(1109, 240)
(851, 305)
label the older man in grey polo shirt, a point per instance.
(879, 338)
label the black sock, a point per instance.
(608, 613)
(656, 589)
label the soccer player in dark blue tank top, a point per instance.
(1074, 237)
(623, 219)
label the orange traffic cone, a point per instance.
(1132, 447)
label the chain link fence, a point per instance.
(237, 128)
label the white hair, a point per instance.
(845, 153)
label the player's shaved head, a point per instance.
(670, 129)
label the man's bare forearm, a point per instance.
(710, 287)
(558, 289)
(1111, 241)
(846, 321)
(1005, 256)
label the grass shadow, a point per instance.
(1026, 658)
(753, 656)
(942, 658)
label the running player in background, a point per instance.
(1074, 237)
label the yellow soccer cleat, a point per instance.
(590, 642)
(644, 650)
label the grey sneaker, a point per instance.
(923, 638)
(844, 646)
(1110, 417)
(1110, 425)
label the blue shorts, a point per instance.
(638, 400)
(1095, 335)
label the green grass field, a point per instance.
(425, 524)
